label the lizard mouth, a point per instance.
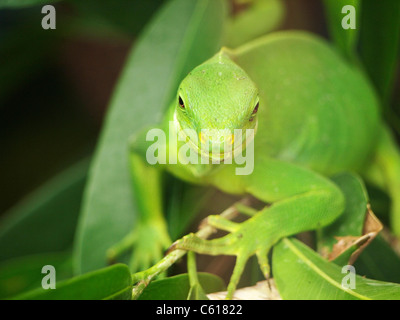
(201, 150)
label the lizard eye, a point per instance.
(254, 112)
(181, 103)
(256, 108)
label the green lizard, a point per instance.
(334, 125)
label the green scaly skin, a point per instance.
(297, 146)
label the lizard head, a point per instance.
(216, 103)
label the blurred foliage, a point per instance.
(23, 3)
(25, 274)
(379, 44)
(46, 221)
(375, 42)
(263, 16)
(346, 40)
(111, 283)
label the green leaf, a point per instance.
(379, 43)
(300, 273)
(24, 3)
(379, 261)
(46, 220)
(177, 287)
(114, 282)
(377, 253)
(182, 35)
(25, 274)
(344, 39)
(351, 222)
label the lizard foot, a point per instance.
(243, 240)
(148, 241)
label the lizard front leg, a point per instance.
(149, 238)
(300, 200)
